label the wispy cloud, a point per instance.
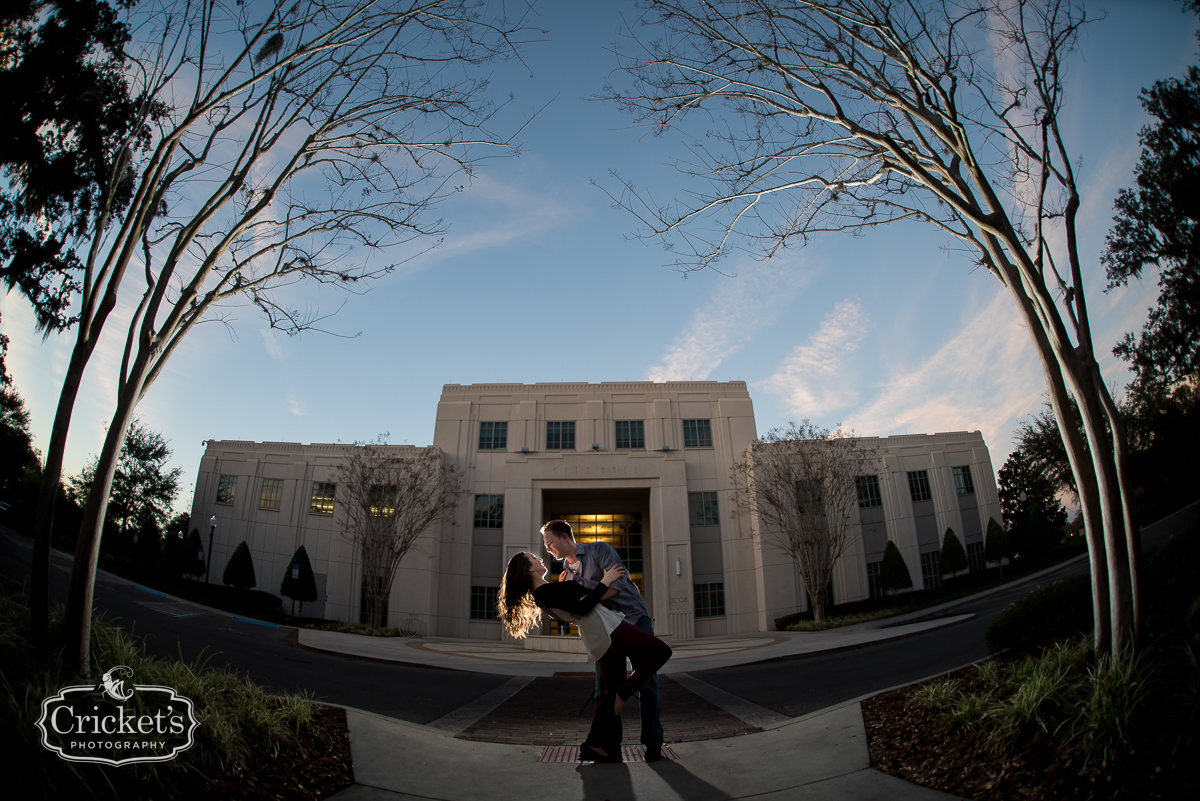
(813, 377)
(294, 406)
(737, 310)
(984, 377)
(271, 343)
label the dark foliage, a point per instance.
(189, 560)
(1052, 613)
(954, 556)
(70, 127)
(893, 573)
(1156, 226)
(996, 544)
(239, 570)
(142, 486)
(302, 587)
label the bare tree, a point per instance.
(390, 495)
(305, 138)
(843, 115)
(801, 482)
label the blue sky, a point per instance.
(539, 279)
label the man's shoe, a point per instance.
(653, 753)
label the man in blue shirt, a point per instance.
(586, 562)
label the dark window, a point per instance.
(362, 603)
(702, 509)
(873, 569)
(322, 498)
(975, 556)
(489, 511)
(226, 489)
(931, 569)
(272, 493)
(493, 436)
(631, 434)
(869, 495)
(918, 486)
(962, 481)
(809, 496)
(710, 599)
(697, 433)
(560, 436)
(483, 602)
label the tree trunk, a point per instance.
(39, 581)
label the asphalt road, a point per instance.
(268, 655)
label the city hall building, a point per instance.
(644, 466)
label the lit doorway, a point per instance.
(623, 531)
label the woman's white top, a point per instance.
(595, 629)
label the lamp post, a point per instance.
(212, 529)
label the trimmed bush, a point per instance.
(172, 547)
(893, 573)
(1057, 612)
(189, 561)
(303, 587)
(954, 558)
(239, 571)
(997, 545)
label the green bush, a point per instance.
(954, 558)
(996, 545)
(1056, 612)
(302, 587)
(893, 573)
(838, 621)
(239, 570)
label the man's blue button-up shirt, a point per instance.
(596, 557)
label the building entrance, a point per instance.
(623, 531)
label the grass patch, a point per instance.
(837, 621)
(239, 721)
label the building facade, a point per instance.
(644, 466)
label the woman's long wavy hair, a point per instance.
(516, 606)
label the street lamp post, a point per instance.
(212, 529)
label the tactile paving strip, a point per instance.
(629, 753)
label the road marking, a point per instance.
(467, 714)
(747, 711)
(254, 622)
(172, 608)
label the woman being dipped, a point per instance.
(525, 594)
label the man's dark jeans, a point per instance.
(652, 730)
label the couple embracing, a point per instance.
(596, 595)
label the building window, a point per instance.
(322, 498)
(483, 603)
(931, 569)
(631, 434)
(382, 500)
(493, 436)
(489, 511)
(226, 489)
(697, 433)
(918, 486)
(272, 493)
(710, 599)
(869, 495)
(873, 569)
(962, 481)
(560, 436)
(975, 557)
(809, 494)
(702, 509)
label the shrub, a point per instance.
(954, 558)
(997, 545)
(189, 560)
(1056, 612)
(893, 573)
(303, 586)
(239, 571)
(837, 621)
(172, 547)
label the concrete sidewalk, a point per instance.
(817, 757)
